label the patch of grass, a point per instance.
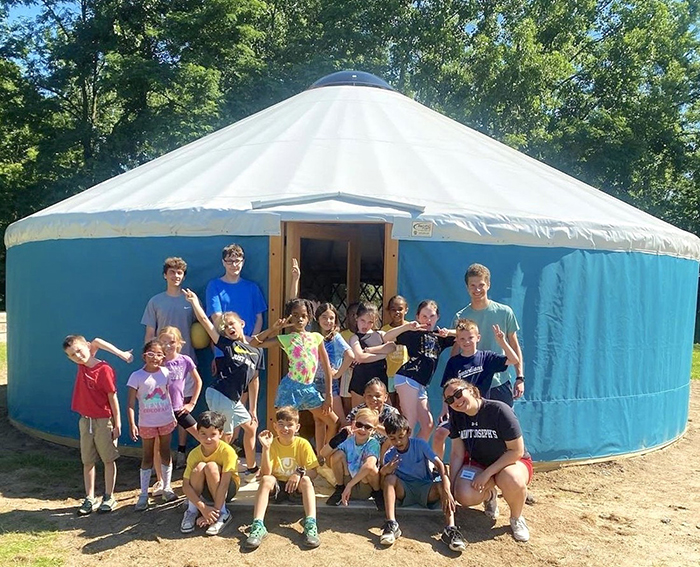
(31, 550)
(695, 365)
(41, 467)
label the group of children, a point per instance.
(374, 455)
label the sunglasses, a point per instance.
(449, 400)
(151, 354)
(367, 426)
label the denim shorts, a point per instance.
(299, 396)
(320, 383)
(400, 380)
(235, 412)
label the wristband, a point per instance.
(521, 378)
(301, 471)
(338, 439)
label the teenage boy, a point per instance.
(486, 313)
(211, 475)
(288, 465)
(171, 309)
(354, 461)
(472, 365)
(408, 480)
(95, 399)
(231, 292)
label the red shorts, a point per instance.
(153, 432)
(527, 461)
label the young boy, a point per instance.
(95, 399)
(354, 462)
(170, 308)
(211, 474)
(474, 366)
(485, 313)
(288, 465)
(407, 480)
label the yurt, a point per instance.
(374, 194)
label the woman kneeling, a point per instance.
(492, 454)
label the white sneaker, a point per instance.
(217, 527)
(189, 521)
(157, 489)
(519, 527)
(491, 505)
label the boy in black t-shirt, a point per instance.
(473, 366)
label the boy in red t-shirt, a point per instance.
(95, 399)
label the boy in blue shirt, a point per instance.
(354, 460)
(408, 480)
(474, 366)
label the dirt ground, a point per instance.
(642, 511)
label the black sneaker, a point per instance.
(378, 497)
(390, 533)
(453, 539)
(334, 499)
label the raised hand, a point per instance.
(500, 335)
(266, 438)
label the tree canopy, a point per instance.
(605, 90)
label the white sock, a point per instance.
(224, 511)
(191, 507)
(145, 479)
(167, 472)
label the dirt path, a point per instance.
(643, 511)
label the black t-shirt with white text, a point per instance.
(485, 434)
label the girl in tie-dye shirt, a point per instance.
(305, 354)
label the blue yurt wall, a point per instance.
(606, 338)
(97, 288)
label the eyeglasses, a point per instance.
(151, 354)
(449, 400)
(367, 426)
(233, 261)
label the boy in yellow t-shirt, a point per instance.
(213, 463)
(288, 465)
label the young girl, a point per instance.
(351, 329)
(340, 357)
(424, 344)
(238, 373)
(396, 307)
(183, 376)
(297, 388)
(156, 418)
(369, 350)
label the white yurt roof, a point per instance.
(351, 153)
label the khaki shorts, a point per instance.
(96, 440)
(360, 491)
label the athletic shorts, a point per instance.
(417, 493)
(527, 461)
(230, 494)
(299, 396)
(185, 419)
(146, 432)
(96, 440)
(400, 380)
(235, 412)
(359, 491)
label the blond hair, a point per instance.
(175, 332)
(367, 415)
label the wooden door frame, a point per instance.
(280, 264)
